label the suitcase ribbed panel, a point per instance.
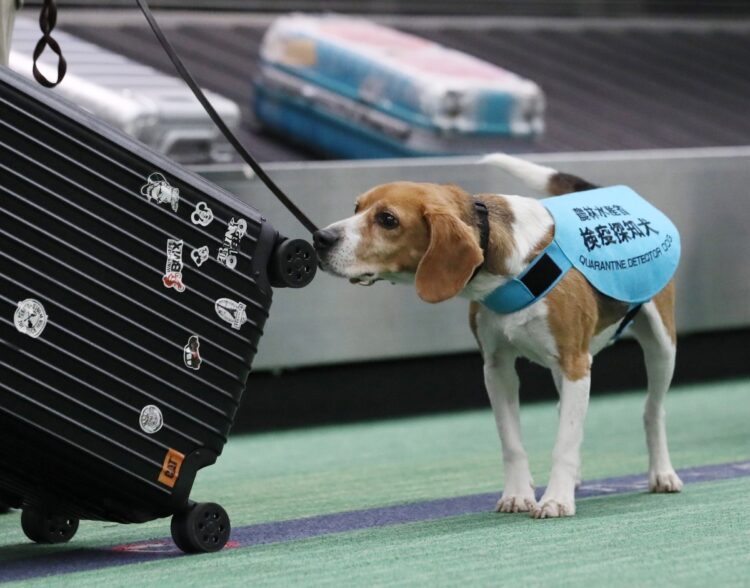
(80, 235)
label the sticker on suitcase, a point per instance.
(231, 312)
(158, 189)
(173, 272)
(202, 215)
(30, 318)
(200, 255)
(170, 470)
(192, 353)
(228, 252)
(151, 419)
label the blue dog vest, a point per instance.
(625, 247)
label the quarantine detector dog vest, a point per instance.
(624, 246)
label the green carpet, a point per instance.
(700, 536)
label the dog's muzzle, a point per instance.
(324, 240)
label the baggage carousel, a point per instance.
(610, 84)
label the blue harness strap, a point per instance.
(625, 247)
(539, 277)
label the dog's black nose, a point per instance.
(325, 239)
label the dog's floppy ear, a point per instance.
(450, 260)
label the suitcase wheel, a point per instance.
(44, 527)
(203, 528)
(293, 264)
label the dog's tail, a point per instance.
(539, 177)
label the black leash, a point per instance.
(190, 81)
(482, 214)
(47, 22)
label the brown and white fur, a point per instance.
(434, 243)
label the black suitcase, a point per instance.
(133, 295)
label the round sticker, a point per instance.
(30, 318)
(151, 419)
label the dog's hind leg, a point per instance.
(557, 377)
(654, 330)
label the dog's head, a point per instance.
(406, 232)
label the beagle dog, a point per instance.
(429, 235)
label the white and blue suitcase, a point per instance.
(352, 88)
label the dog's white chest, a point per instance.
(526, 332)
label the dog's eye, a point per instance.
(386, 220)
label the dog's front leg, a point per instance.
(559, 498)
(502, 387)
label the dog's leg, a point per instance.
(502, 387)
(559, 498)
(659, 352)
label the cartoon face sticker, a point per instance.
(30, 318)
(200, 256)
(202, 215)
(158, 189)
(192, 354)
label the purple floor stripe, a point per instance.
(69, 560)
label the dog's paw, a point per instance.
(553, 509)
(516, 503)
(663, 482)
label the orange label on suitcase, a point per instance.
(170, 471)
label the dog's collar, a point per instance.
(483, 221)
